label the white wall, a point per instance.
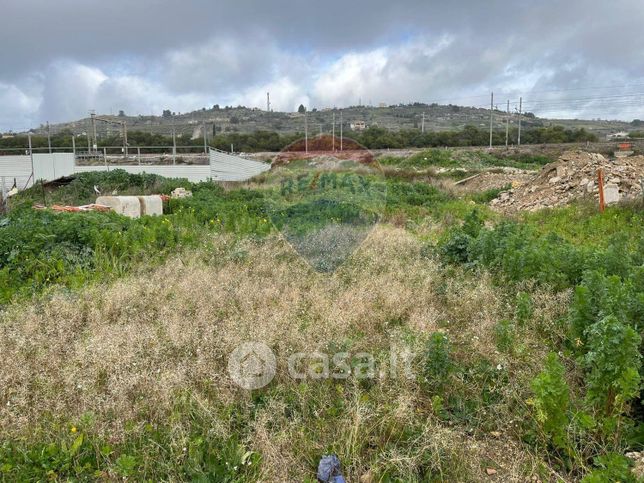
(226, 167)
(193, 173)
(46, 166)
(223, 167)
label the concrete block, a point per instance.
(151, 205)
(611, 193)
(123, 205)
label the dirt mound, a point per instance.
(495, 180)
(324, 147)
(574, 176)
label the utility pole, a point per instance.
(306, 132)
(74, 144)
(205, 142)
(125, 138)
(31, 157)
(507, 124)
(333, 135)
(491, 116)
(93, 117)
(340, 130)
(49, 136)
(320, 131)
(268, 102)
(174, 145)
(422, 125)
(520, 107)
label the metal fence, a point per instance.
(227, 167)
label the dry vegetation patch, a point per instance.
(127, 352)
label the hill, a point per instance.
(395, 117)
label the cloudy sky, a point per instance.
(59, 59)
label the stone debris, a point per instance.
(181, 193)
(496, 179)
(572, 177)
(638, 463)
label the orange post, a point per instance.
(600, 182)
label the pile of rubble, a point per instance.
(575, 176)
(495, 179)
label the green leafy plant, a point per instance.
(504, 334)
(473, 223)
(611, 467)
(613, 361)
(523, 308)
(438, 363)
(551, 402)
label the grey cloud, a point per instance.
(148, 54)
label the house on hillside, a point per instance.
(358, 126)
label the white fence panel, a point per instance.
(16, 168)
(191, 173)
(53, 166)
(48, 167)
(226, 167)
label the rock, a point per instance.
(611, 194)
(490, 471)
(574, 176)
(181, 193)
(496, 434)
(638, 459)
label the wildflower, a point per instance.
(73, 430)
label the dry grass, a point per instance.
(125, 352)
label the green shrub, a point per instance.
(613, 362)
(473, 224)
(504, 335)
(438, 361)
(599, 296)
(523, 308)
(551, 402)
(455, 247)
(488, 195)
(611, 467)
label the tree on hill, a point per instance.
(301, 109)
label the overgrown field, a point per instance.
(522, 339)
